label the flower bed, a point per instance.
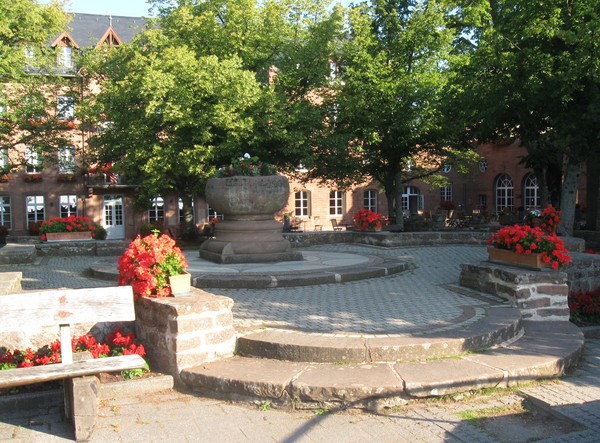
(71, 224)
(585, 306)
(119, 343)
(367, 220)
(525, 240)
(246, 166)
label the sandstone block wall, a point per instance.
(183, 332)
(540, 296)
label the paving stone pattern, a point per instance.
(180, 417)
(412, 301)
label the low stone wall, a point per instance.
(388, 239)
(184, 332)
(101, 248)
(592, 239)
(583, 272)
(540, 296)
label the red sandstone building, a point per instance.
(499, 183)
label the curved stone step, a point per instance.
(500, 324)
(545, 350)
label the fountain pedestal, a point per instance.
(249, 233)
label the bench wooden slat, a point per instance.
(39, 374)
(68, 306)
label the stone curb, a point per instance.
(378, 268)
(499, 325)
(121, 389)
(545, 350)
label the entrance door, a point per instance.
(113, 217)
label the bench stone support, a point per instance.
(81, 404)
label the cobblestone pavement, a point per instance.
(180, 417)
(414, 301)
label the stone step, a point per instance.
(500, 324)
(545, 350)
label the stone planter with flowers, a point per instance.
(72, 228)
(529, 247)
(367, 220)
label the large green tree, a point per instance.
(386, 108)
(532, 72)
(30, 113)
(213, 80)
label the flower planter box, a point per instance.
(530, 261)
(181, 285)
(68, 236)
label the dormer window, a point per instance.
(65, 56)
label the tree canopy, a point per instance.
(532, 72)
(30, 113)
(211, 81)
(386, 108)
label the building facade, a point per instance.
(498, 184)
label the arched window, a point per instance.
(531, 192)
(505, 198)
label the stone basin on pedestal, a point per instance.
(249, 233)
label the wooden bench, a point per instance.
(63, 308)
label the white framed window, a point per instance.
(5, 212)
(531, 192)
(68, 205)
(214, 214)
(333, 69)
(157, 210)
(29, 53)
(65, 56)
(446, 193)
(4, 161)
(302, 204)
(483, 165)
(66, 159)
(370, 200)
(181, 215)
(35, 208)
(33, 163)
(412, 200)
(65, 107)
(336, 202)
(504, 193)
(446, 168)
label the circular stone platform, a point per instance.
(317, 267)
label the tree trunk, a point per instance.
(571, 173)
(189, 228)
(592, 215)
(398, 200)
